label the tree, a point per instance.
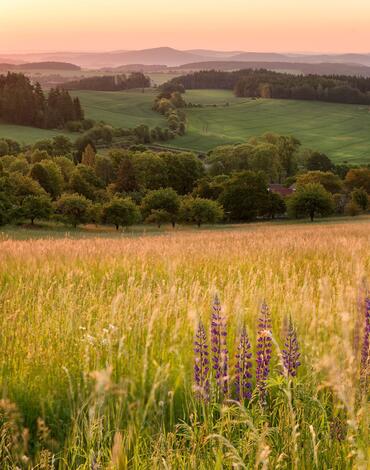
(73, 209)
(275, 205)
(310, 200)
(88, 156)
(158, 217)
(200, 211)
(6, 208)
(318, 161)
(120, 212)
(126, 181)
(358, 178)
(327, 179)
(4, 147)
(49, 176)
(361, 198)
(162, 200)
(36, 207)
(352, 208)
(245, 195)
(61, 146)
(104, 169)
(21, 186)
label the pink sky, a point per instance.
(253, 25)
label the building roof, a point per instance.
(280, 189)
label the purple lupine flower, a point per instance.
(243, 385)
(201, 364)
(291, 352)
(264, 349)
(365, 353)
(220, 353)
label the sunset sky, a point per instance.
(253, 25)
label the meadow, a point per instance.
(97, 340)
(341, 131)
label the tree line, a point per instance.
(110, 82)
(127, 186)
(22, 102)
(268, 84)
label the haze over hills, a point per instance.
(174, 57)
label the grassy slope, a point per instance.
(342, 131)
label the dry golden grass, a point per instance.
(97, 324)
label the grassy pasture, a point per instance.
(341, 131)
(97, 349)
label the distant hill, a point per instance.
(174, 57)
(294, 67)
(52, 66)
(48, 66)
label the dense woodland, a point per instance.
(110, 82)
(72, 183)
(23, 103)
(267, 84)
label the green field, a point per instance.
(341, 131)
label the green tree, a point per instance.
(104, 169)
(4, 147)
(36, 207)
(162, 200)
(317, 161)
(158, 217)
(49, 176)
(6, 209)
(120, 212)
(245, 195)
(361, 198)
(61, 146)
(126, 181)
(73, 209)
(310, 200)
(327, 179)
(275, 205)
(200, 211)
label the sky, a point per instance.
(250, 25)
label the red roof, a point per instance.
(280, 189)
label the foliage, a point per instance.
(328, 180)
(310, 200)
(120, 212)
(36, 207)
(73, 209)
(200, 211)
(110, 82)
(245, 195)
(161, 204)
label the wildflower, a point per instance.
(264, 344)
(220, 353)
(201, 365)
(365, 353)
(243, 386)
(291, 352)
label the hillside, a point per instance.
(323, 68)
(31, 66)
(175, 57)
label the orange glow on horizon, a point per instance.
(251, 25)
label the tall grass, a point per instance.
(97, 350)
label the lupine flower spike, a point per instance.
(243, 385)
(264, 345)
(291, 352)
(220, 353)
(365, 351)
(201, 364)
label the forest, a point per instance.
(268, 84)
(110, 82)
(22, 102)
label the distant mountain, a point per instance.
(325, 68)
(174, 57)
(48, 66)
(52, 66)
